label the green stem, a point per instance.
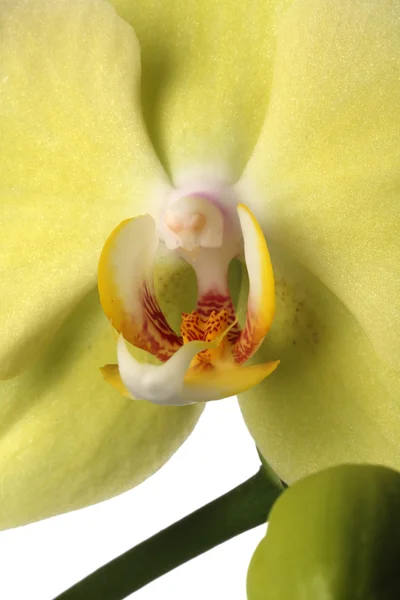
(237, 511)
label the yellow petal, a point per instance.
(127, 293)
(222, 383)
(332, 400)
(76, 159)
(261, 298)
(67, 439)
(327, 162)
(207, 70)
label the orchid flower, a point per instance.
(148, 144)
(204, 362)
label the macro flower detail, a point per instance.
(120, 112)
(203, 362)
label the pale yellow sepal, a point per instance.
(325, 172)
(67, 439)
(75, 160)
(332, 400)
(207, 72)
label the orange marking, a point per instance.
(206, 329)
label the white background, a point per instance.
(41, 560)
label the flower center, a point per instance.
(205, 361)
(206, 233)
(207, 329)
(193, 222)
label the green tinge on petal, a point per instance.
(67, 439)
(176, 286)
(327, 162)
(332, 400)
(207, 69)
(76, 159)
